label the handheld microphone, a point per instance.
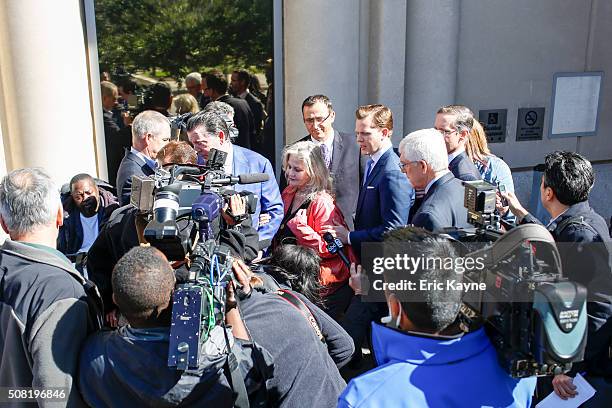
(334, 246)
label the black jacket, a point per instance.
(584, 244)
(257, 109)
(243, 119)
(45, 315)
(463, 168)
(70, 236)
(129, 368)
(116, 140)
(119, 236)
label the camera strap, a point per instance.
(301, 306)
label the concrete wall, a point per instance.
(416, 55)
(321, 54)
(509, 52)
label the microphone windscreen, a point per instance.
(253, 178)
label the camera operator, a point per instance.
(564, 192)
(209, 130)
(129, 366)
(307, 345)
(124, 231)
(424, 359)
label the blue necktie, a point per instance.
(369, 166)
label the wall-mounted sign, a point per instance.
(529, 124)
(575, 104)
(494, 122)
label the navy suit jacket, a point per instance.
(442, 206)
(347, 169)
(247, 161)
(131, 165)
(463, 168)
(384, 201)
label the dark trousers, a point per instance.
(336, 303)
(358, 318)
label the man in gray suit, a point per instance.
(150, 132)
(341, 153)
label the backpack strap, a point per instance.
(575, 220)
(301, 306)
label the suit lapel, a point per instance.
(437, 183)
(382, 162)
(337, 153)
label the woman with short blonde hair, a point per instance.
(309, 206)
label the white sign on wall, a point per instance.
(575, 104)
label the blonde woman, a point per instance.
(309, 205)
(492, 168)
(185, 103)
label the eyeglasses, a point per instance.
(312, 121)
(447, 132)
(402, 166)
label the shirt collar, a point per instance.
(376, 156)
(438, 177)
(229, 161)
(329, 142)
(150, 162)
(394, 345)
(455, 154)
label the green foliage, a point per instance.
(181, 36)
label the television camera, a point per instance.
(183, 205)
(535, 318)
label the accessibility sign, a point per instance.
(529, 124)
(494, 122)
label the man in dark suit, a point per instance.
(150, 132)
(423, 160)
(386, 196)
(208, 130)
(383, 204)
(116, 138)
(455, 123)
(240, 81)
(342, 153)
(214, 84)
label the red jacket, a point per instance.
(307, 229)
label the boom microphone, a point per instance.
(334, 246)
(253, 178)
(242, 179)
